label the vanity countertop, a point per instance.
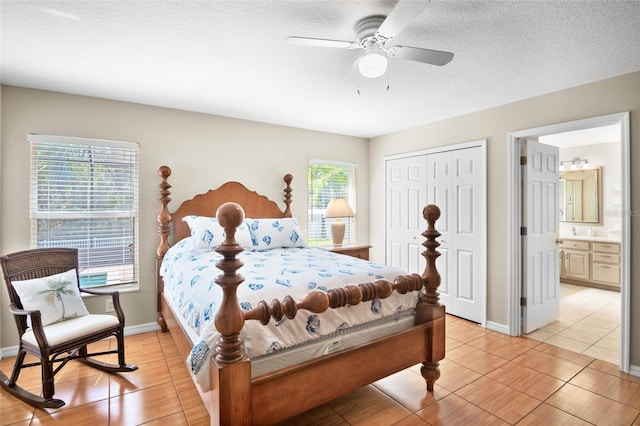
(586, 238)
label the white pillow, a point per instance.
(56, 297)
(208, 233)
(268, 234)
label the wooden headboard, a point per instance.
(254, 205)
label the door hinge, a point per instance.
(523, 230)
(523, 160)
(523, 301)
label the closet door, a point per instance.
(455, 183)
(405, 198)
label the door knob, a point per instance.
(559, 241)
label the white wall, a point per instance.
(596, 99)
(204, 151)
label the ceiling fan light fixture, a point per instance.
(372, 65)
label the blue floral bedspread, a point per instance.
(189, 275)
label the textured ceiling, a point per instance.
(229, 57)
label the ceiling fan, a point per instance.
(374, 33)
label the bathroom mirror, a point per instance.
(580, 196)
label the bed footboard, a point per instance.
(238, 401)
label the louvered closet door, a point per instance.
(454, 183)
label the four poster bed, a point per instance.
(355, 322)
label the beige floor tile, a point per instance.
(603, 354)
(582, 334)
(567, 343)
(592, 407)
(567, 354)
(611, 341)
(540, 335)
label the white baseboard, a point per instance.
(500, 328)
(634, 370)
(128, 331)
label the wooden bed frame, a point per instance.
(239, 399)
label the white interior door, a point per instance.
(540, 210)
(455, 183)
(406, 197)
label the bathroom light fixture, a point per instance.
(574, 164)
(372, 65)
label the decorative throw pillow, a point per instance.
(208, 233)
(268, 234)
(56, 297)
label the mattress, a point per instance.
(190, 290)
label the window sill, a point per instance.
(122, 288)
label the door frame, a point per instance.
(482, 143)
(514, 215)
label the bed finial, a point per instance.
(230, 318)
(431, 276)
(164, 217)
(287, 195)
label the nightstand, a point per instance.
(353, 250)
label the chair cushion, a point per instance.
(56, 297)
(74, 328)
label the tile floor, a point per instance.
(487, 378)
(589, 323)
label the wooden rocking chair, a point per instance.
(62, 340)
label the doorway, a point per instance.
(515, 183)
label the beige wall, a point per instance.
(601, 98)
(203, 150)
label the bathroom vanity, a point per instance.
(590, 261)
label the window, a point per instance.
(328, 180)
(84, 195)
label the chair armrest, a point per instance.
(36, 323)
(115, 296)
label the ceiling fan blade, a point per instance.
(428, 56)
(320, 42)
(401, 15)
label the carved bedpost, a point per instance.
(429, 308)
(231, 369)
(287, 195)
(164, 218)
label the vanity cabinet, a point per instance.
(575, 261)
(605, 265)
(594, 263)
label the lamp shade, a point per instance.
(338, 207)
(372, 65)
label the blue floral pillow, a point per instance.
(268, 234)
(208, 233)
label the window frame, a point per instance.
(115, 271)
(319, 228)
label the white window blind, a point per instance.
(327, 180)
(84, 195)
